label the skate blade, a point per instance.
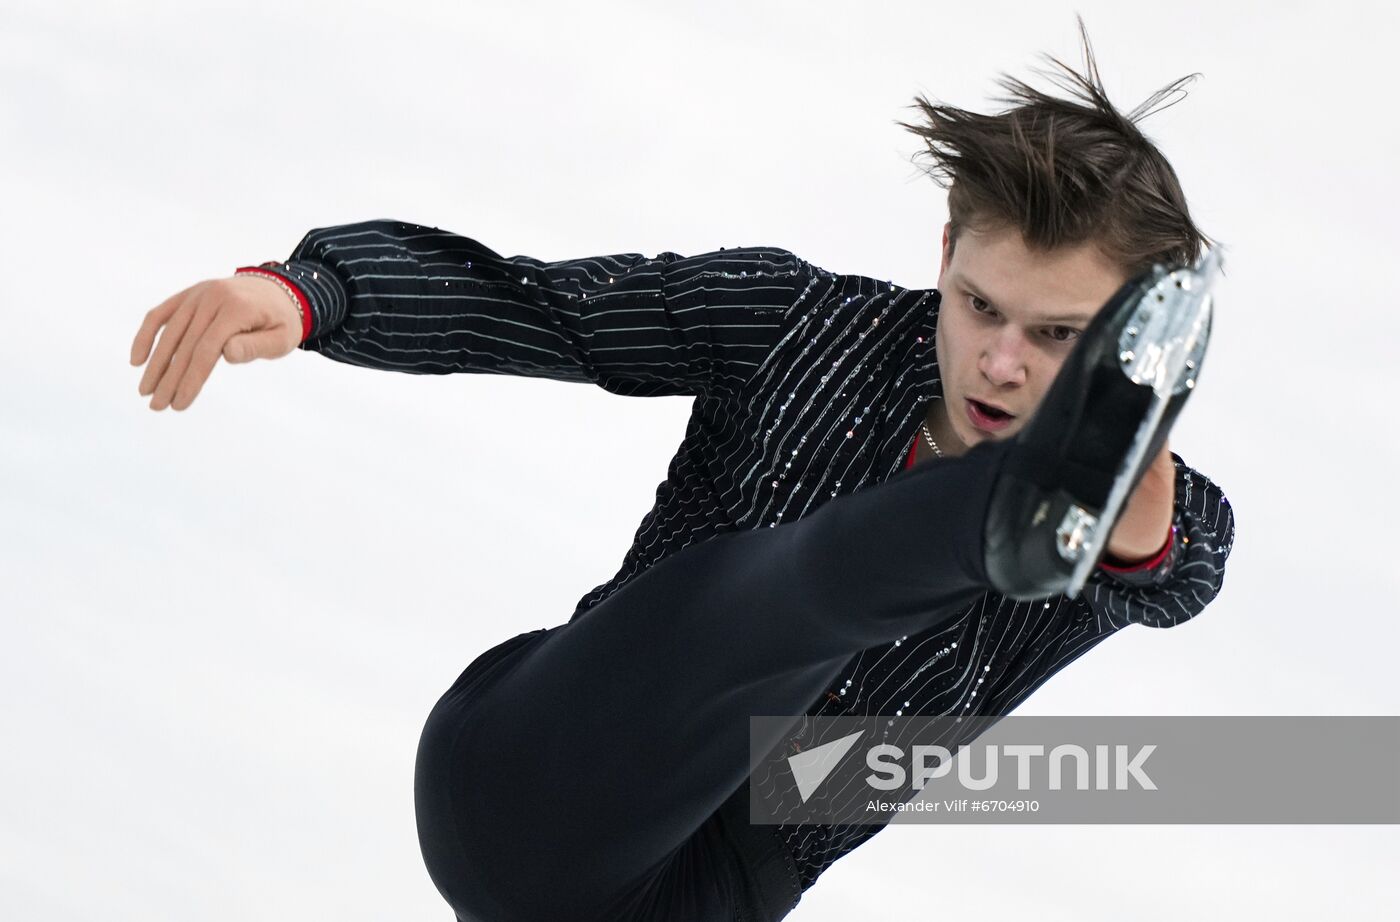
(1162, 346)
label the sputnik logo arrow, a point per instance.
(810, 768)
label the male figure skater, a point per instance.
(839, 533)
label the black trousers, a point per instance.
(594, 770)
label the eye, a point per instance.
(1068, 339)
(974, 300)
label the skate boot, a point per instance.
(1071, 469)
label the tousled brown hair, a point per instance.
(1063, 171)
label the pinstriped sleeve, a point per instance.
(1193, 574)
(402, 297)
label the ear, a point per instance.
(946, 255)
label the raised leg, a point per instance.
(568, 765)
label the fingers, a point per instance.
(182, 379)
(158, 369)
(202, 359)
(154, 319)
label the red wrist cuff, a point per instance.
(1153, 561)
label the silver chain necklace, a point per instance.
(929, 438)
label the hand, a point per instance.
(243, 317)
(1147, 515)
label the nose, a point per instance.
(1003, 360)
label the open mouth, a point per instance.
(986, 418)
(991, 413)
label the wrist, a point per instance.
(1113, 562)
(293, 292)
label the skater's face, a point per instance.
(1007, 320)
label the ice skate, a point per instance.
(1105, 417)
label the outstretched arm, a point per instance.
(403, 297)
